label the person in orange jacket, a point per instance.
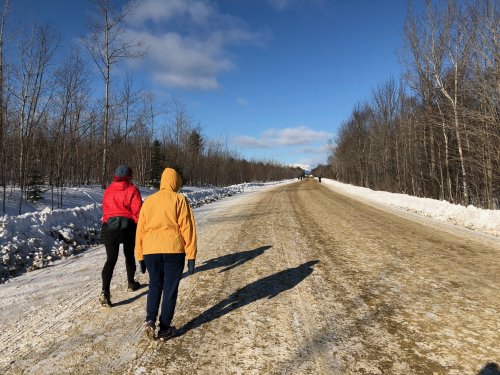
(165, 237)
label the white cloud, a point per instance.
(250, 142)
(180, 61)
(309, 163)
(307, 146)
(305, 167)
(242, 101)
(198, 11)
(189, 42)
(281, 4)
(313, 162)
(323, 149)
(300, 135)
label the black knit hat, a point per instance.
(123, 171)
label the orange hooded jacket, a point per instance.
(166, 222)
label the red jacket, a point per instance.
(121, 198)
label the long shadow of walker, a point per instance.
(269, 287)
(230, 261)
(131, 299)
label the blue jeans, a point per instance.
(165, 271)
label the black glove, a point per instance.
(143, 266)
(190, 266)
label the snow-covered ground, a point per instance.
(37, 238)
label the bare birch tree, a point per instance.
(2, 109)
(71, 100)
(453, 45)
(31, 91)
(108, 45)
(483, 20)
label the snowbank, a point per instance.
(32, 240)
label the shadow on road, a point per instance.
(131, 299)
(230, 261)
(269, 287)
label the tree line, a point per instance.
(436, 132)
(58, 130)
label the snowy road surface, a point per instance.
(294, 279)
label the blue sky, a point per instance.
(272, 78)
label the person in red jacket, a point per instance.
(121, 205)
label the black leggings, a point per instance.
(109, 266)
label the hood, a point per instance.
(119, 185)
(170, 180)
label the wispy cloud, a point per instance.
(302, 166)
(184, 62)
(199, 12)
(242, 101)
(188, 41)
(251, 142)
(315, 150)
(309, 163)
(307, 146)
(300, 135)
(282, 5)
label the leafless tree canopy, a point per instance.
(56, 130)
(437, 132)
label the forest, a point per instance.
(68, 119)
(436, 131)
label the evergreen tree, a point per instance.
(157, 164)
(34, 191)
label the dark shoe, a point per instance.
(132, 287)
(105, 299)
(150, 329)
(166, 334)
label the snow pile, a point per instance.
(32, 240)
(35, 239)
(200, 196)
(470, 217)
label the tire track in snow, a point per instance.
(296, 251)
